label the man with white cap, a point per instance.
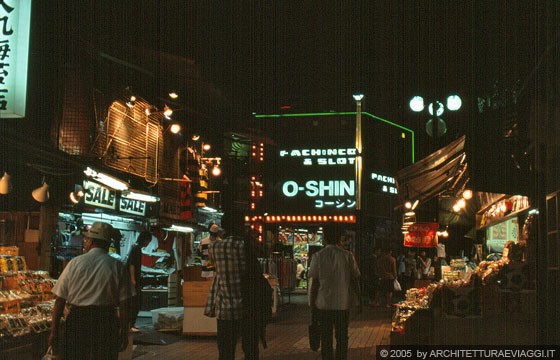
(94, 287)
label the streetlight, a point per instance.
(435, 126)
(358, 98)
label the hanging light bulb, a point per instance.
(216, 171)
(5, 184)
(131, 101)
(175, 128)
(167, 111)
(467, 194)
(76, 196)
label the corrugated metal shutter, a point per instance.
(130, 141)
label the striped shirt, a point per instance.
(225, 300)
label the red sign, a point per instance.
(421, 235)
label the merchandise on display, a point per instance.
(26, 299)
(459, 293)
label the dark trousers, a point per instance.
(91, 333)
(134, 305)
(337, 319)
(228, 333)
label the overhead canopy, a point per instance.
(443, 172)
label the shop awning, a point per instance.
(441, 173)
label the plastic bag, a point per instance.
(396, 285)
(50, 355)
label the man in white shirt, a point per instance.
(95, 287)
(334, 290)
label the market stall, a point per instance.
(26, 304)
(494, 303)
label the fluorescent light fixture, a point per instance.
(209, 209)
(134, 195)
(106, 179)
(358, 97)
(179, 228)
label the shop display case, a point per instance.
(26, 304)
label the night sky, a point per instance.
(313, 55)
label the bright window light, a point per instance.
(417, 103)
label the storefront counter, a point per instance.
(195, 294)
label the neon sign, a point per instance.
(322, 156)
(388, 183)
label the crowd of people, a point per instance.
(96, 285)
(407, 267)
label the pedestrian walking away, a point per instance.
(95, 288)
(334, 290)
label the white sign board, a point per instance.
(14, 51)
(131, 206)
(98, 195)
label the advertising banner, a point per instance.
(422, 235)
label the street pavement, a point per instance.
(286, 336)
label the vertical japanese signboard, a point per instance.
(14, 50)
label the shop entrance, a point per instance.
(295, 246)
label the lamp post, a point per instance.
(358, 98)
(435, 126)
